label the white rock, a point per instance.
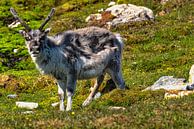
(117, 10)
(124, 13)
(163, 1)
(28, 112)
(111, 3)
(191, 75)
(116, 108)
(28, 105)
(12, 96)
(169, 83)
(101, 10)
(15, 50)
(14, 24)
(55, 104)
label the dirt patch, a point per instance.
(25, 84)
(111, 121)
(53, 123)
(8, 82)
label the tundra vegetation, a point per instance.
(152, 49)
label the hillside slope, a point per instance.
(152, 50)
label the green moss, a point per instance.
(152, 50)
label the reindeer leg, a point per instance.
(61, 93)
(97, 84)
(115, 72)
(71, 85)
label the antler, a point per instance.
(14, 13)
(47, 19)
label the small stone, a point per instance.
(191, 75)
(14, 24)
(28, 112)
(162, 13)
(28, 105)
(116, 108)
(12, 96)
(163, 2)
(15, 50)
(55, 104)
(101, 10)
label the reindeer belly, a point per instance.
(88, 73)
(91, 68)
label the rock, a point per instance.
(177, 94)
(163, 2)
(28, 112)
(28, 105)
(55, 104)
(124, 13)
(169, 83)
(162, 13)
(175, 87)
(116, 108)
(111, 3)
(191, 75)
(12, 96)
(101, 10)
(15, 50)
(14, 24)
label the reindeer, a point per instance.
(73, 55)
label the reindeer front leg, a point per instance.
(61, 93)
(71, 85)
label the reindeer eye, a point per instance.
(42, 39)
(28, 38)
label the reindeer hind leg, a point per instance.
(97, 84)
(115, 72)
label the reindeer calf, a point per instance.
(73, 55)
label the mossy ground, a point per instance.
(152, 50)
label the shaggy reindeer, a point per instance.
(73, 55)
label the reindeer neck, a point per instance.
(46, 52)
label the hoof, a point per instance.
(68, 109)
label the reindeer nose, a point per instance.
(34, 47)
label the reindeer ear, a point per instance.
(47, 30)
(23, 33)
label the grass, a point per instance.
(152, 50)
